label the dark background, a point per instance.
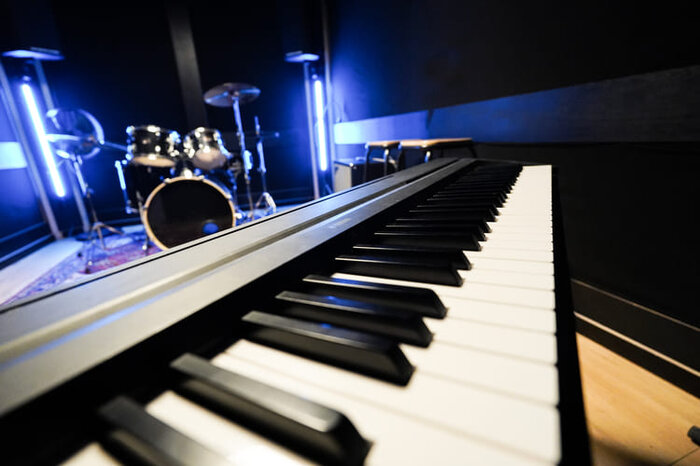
(395, 56)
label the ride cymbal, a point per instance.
(224, 94)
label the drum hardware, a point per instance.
(265, 196)
(77, 136)
(234, 95)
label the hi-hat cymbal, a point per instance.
(224, 94)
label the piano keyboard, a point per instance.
(399, 352)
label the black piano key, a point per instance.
(308, 427)
(466, 228)
(428, 239)
(505, 179)
(470, 194)
(464, 192)
(442, 219)
(400, 269)
(422, 300)
(464, 202)
(449, 256)
(504, 185)
(464, 214)
(481, 212)
(387, 321)
(468, 199)
(140, 435)
(357, 351)
(487, 178)
(483, 183)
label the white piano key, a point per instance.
(511, 234)
(528, 344)
(508, 315)
(398, 436)
(482, 262)
(508, 278)
(91, 455)
(528, 427)
(238, 444)
(513, 376)
(514, 254)
(531, 229)
(533, 245)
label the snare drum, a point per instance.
(182, 209)
(205, 149)
(152, 146)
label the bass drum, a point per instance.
(183, 209)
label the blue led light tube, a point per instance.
(320, 126)
(43, 142)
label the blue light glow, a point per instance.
(320, 125)
(43, 142)
(120, 174)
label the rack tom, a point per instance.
(152, 146)
(205, 149)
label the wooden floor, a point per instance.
(634, 417)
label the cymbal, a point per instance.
(224, 94)
(73, 131)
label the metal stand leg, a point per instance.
(262, 169)
(94, 235)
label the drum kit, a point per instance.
(182, 188)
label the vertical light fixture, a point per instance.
(320, 117)
(46, 152)
(312, 108)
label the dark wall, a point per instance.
(247, 44)
(119, 66)
(396, 56)
(21, 221)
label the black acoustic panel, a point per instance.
(656, 331)
(477, 50)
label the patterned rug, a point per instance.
(118, 250)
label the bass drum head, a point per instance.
(184, 209)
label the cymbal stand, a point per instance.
(265, 196)
(94, 234)
(247, 156)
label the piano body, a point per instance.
(422, 318)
